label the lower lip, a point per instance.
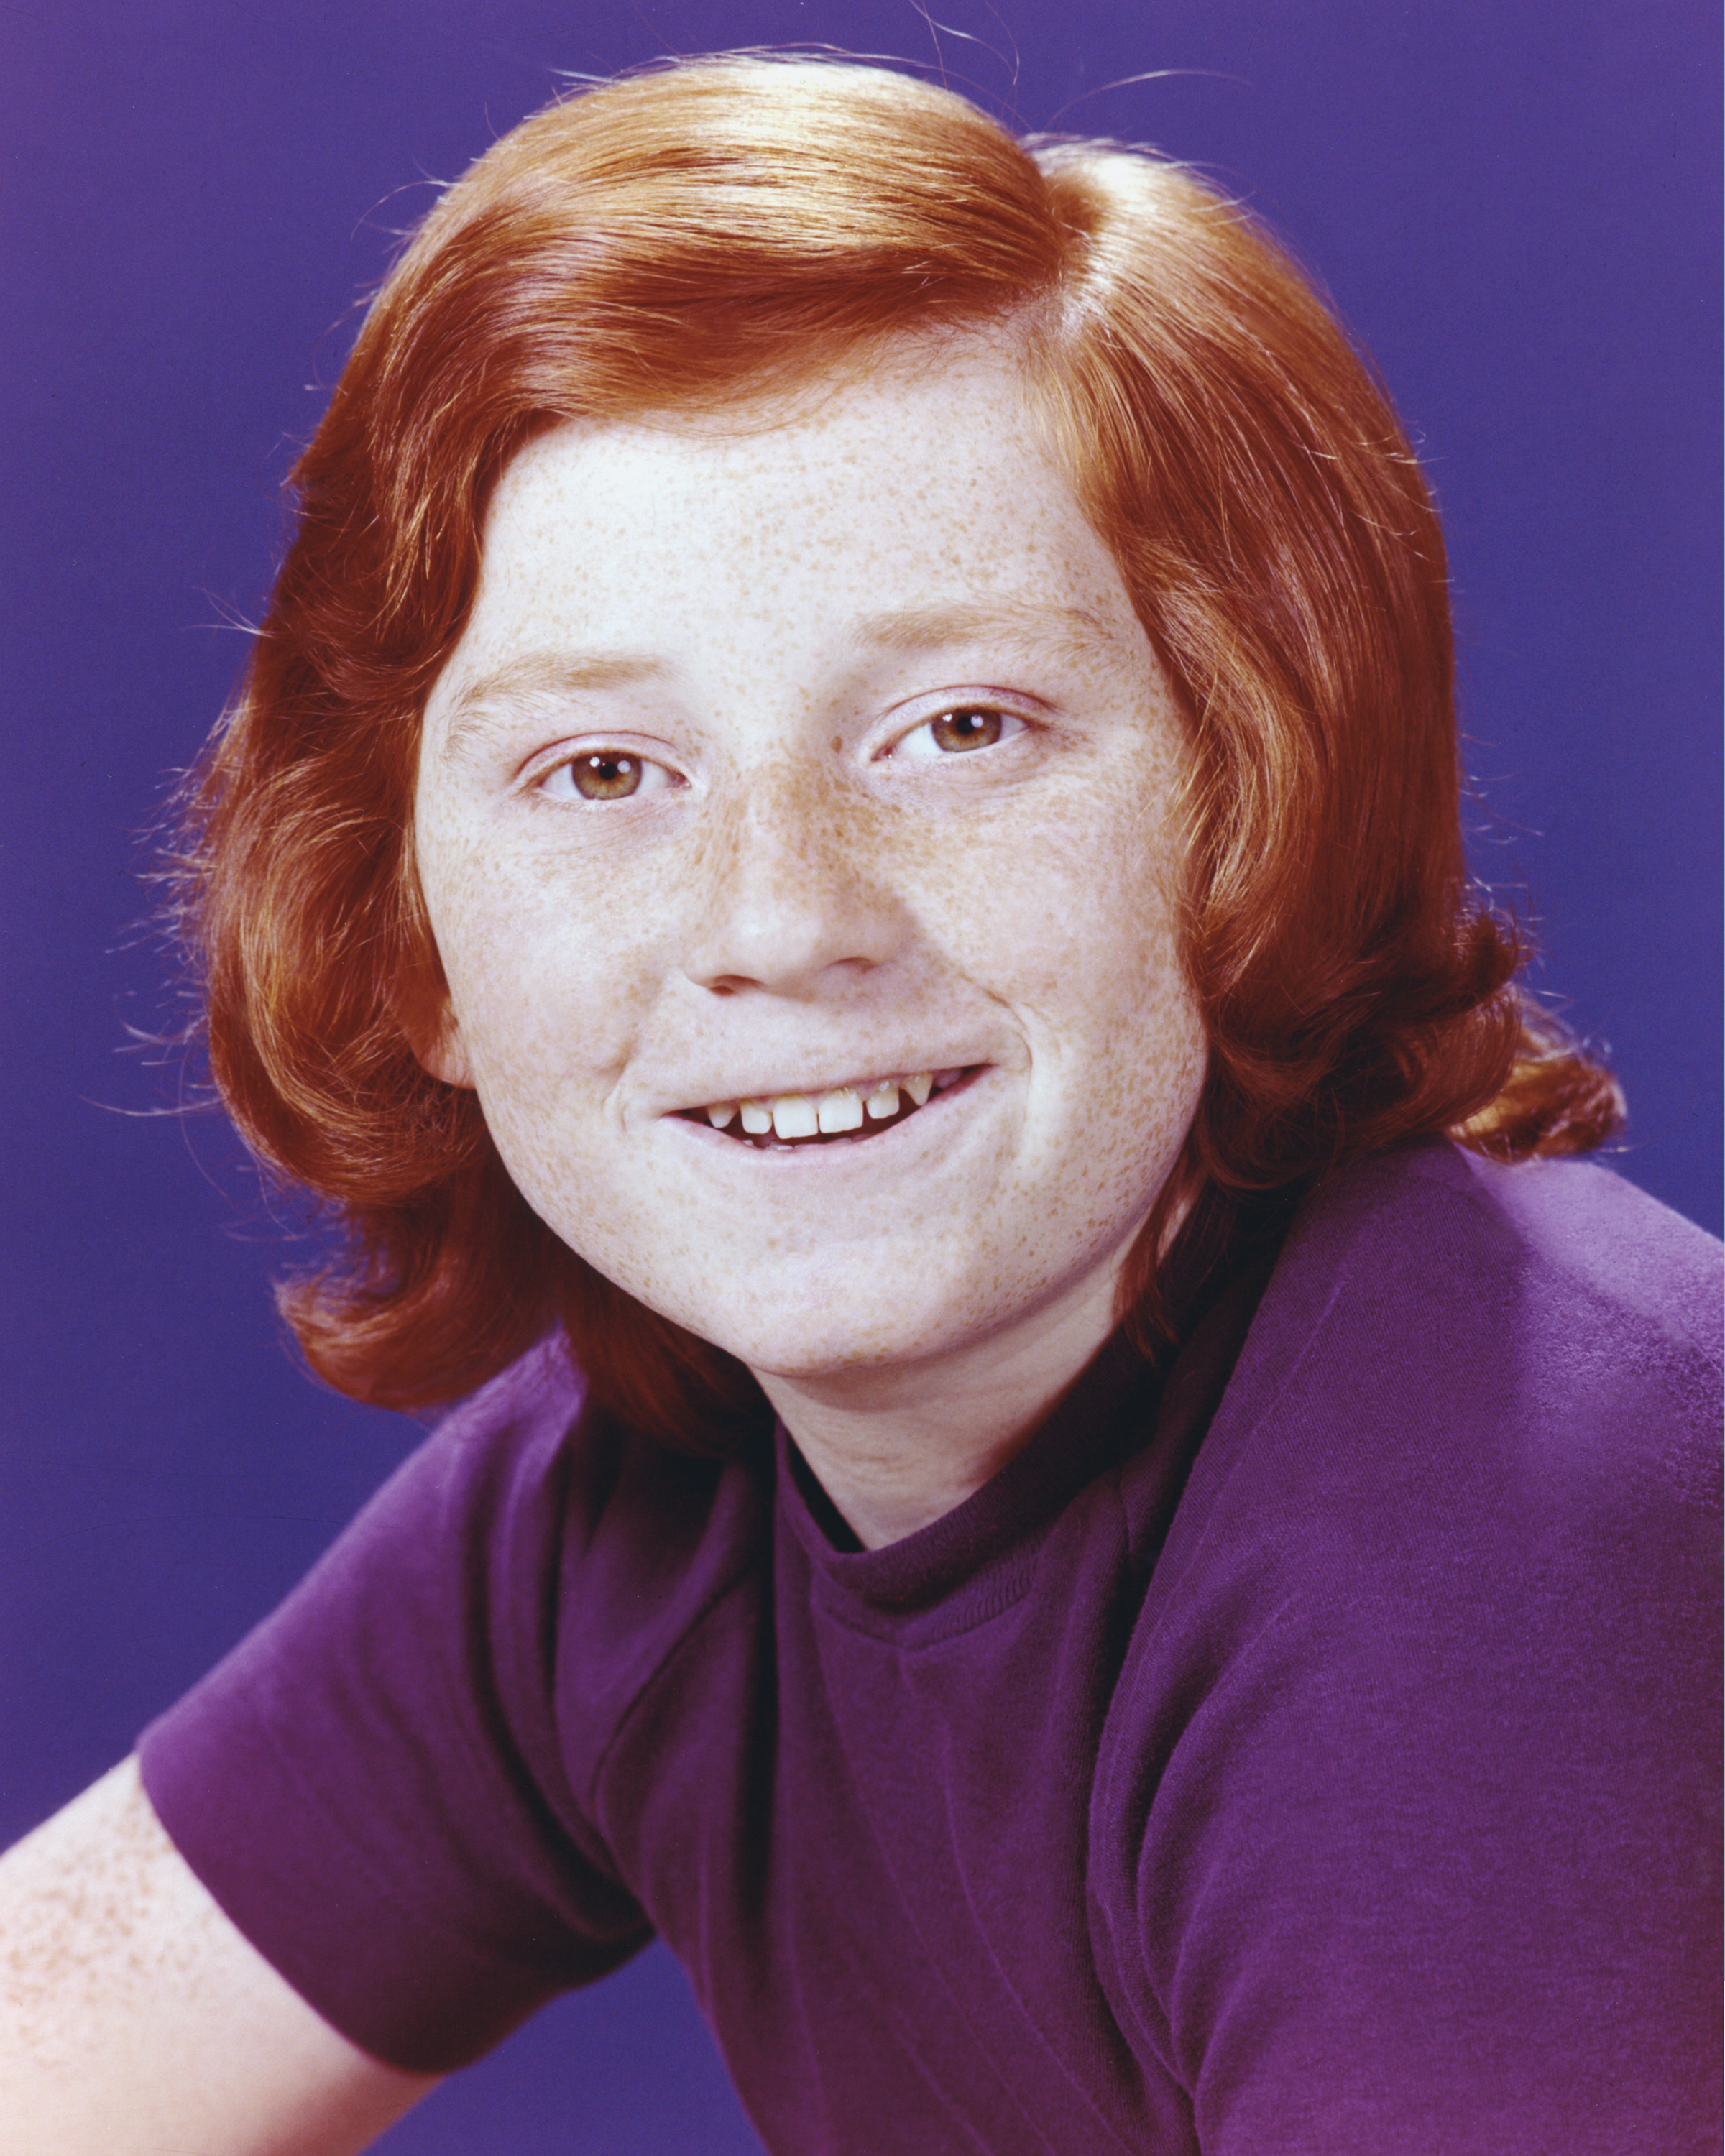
(848, 1146)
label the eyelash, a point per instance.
(560, 784)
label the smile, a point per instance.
(848, 1113)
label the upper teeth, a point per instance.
(802, 1115)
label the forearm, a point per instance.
(134, 2016)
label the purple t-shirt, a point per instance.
(1331, 1775)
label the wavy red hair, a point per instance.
(704, 232)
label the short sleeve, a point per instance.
(372, 1785)
(1454, 1896)
(1412, 1823)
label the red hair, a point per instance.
(717, 228)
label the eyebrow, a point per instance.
(921, 629)
(544, 673)
(905, 629)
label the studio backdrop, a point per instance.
(1513, 205)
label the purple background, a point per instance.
(1512, 203)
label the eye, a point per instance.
(953, 733)
(603, 774)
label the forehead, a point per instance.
(878, 505)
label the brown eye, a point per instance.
(600, 775)
(962, 730)
(605, 777)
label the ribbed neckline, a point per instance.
(1112, 1400)
(1109, 1409)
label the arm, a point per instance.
(1423, 1813)
(134, 2016)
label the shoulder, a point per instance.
(1421, 1700)
(419, 1727)
(1570, 1230)
(585, 1538)
(531, 1445)
(528, 1568)
(1468, 1460)
(1430, 1304)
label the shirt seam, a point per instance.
(408, 1912)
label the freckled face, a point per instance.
(778, 760)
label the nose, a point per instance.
(792, 891)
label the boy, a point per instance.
(842, 847)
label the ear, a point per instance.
(419, 996)
(444, 1054)
(434, 1032)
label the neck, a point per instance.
(897, 1447)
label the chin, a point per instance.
(811, 1344)
(814, 1335)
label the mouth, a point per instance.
(848, 1114)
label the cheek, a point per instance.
(1075, 906)
(547, 979)
(1118, 1045)
(1158, 1050)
